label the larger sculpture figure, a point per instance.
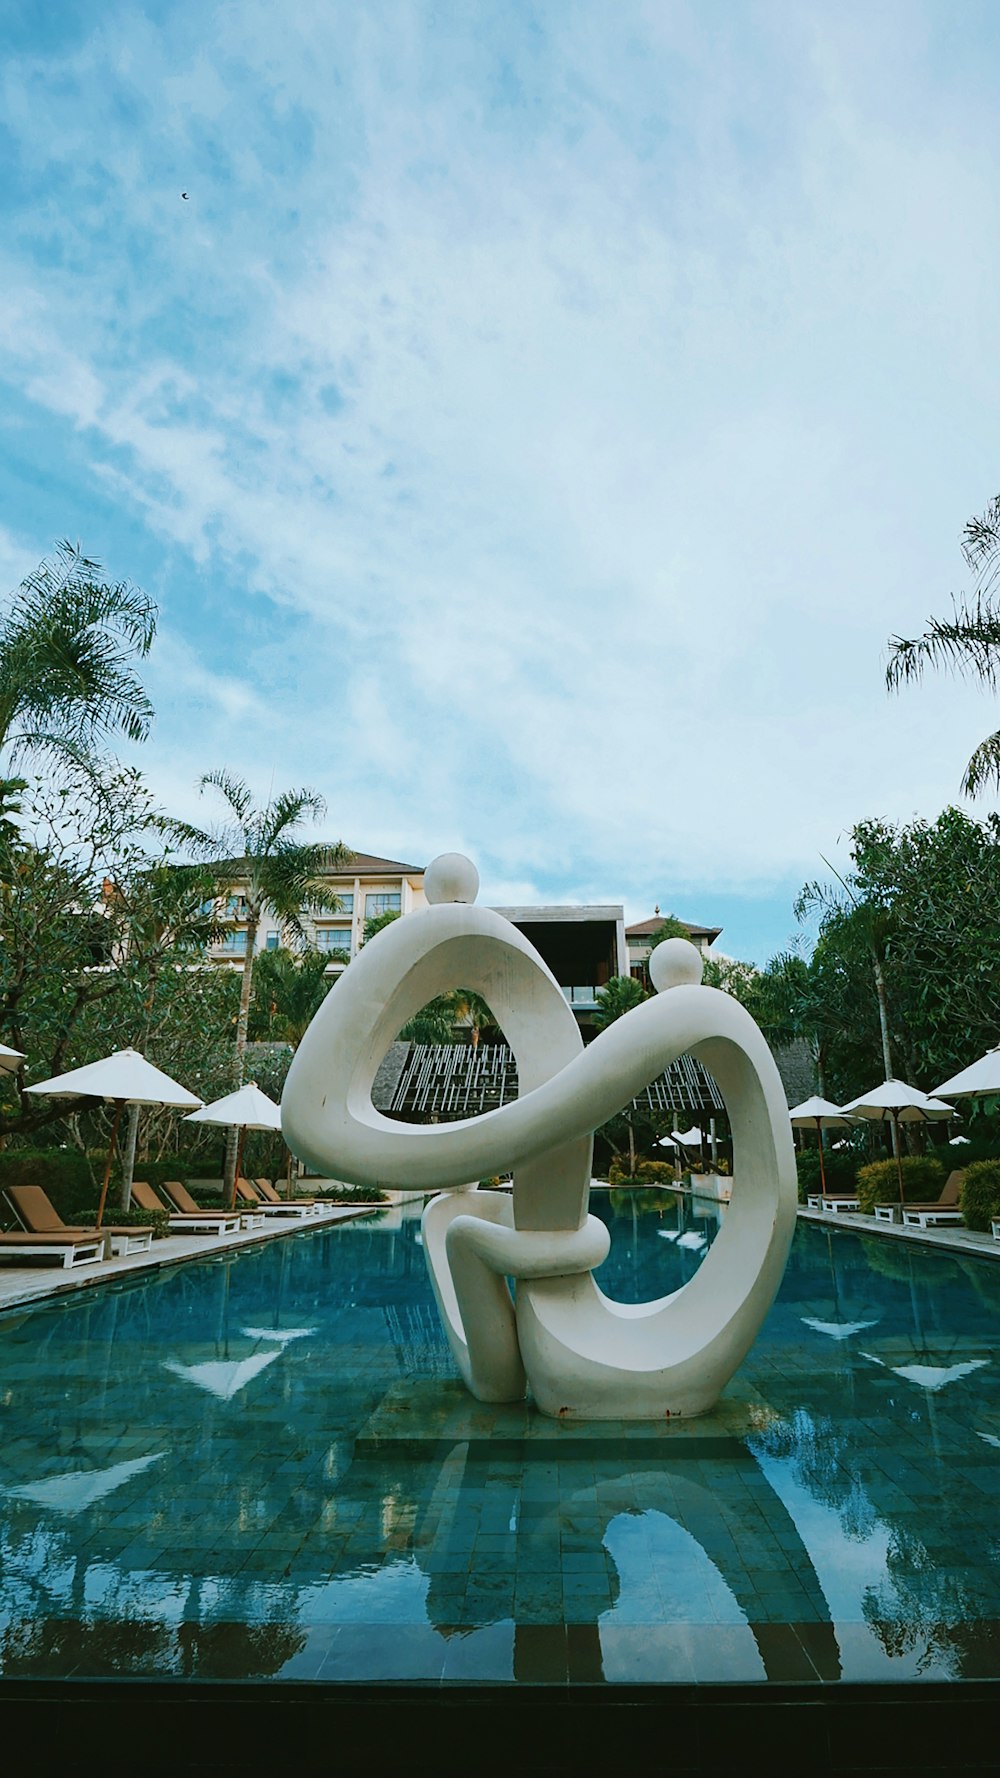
(584, 1356)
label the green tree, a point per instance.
(617, 997)
(967, 642)
(378, 922)
(99, 935)
(257, 847)
(68, 641)
(288, 990)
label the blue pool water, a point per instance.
(262, 1466)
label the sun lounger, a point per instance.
(38, 1216)
(69, 1249)
(995, 1226)
(833, 1202)
(943, 1210)
(224, 1222)
(296, 1212)
(265, 1191)
(187, 1222)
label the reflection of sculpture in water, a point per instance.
(584, 1356)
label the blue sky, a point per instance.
(534, 421)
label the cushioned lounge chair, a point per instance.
(833, 1201)
(995, 1226)
(266, 1192)
(187, 1222)
(248, 1195)
(38, 1216)
(70, 1250)
(182, 1200)
(945, 1210)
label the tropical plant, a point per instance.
(98, 941)
(257, 848)
(378, 922)
(68, 640)
(617, 997)
(967, 642)
(981, 1194)
(923, 1176)
(288, 989)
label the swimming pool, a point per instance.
(262, 1466)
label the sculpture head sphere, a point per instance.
(674, 964)
(451, 877)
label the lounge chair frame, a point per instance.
(114, 1239)
(184, 1222)
(80, 1250)
(214, 1220)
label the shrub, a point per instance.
(981, 1194)
(841, 1171)
(350, 1194)
(878, 1183)
(656, 1170)
(134, 1218)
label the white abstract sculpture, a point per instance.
(584, 1356)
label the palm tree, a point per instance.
(67, 642)
(275, 871)
(968, 641)
(288, 989)
(616, 998)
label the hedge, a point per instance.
(72, 1180)
(981, 1194)
(647, 1170)
(878, 1183)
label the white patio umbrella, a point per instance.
(979, 1081)
(687, 1138)
(819, 1115)
(246, 1109)
(123, 1078)
(896, 1103)
(10, 1060)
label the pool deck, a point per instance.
(30, 1284)
(961, 1241)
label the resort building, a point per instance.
(359, 891)
(639, 939)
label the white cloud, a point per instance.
(546, 427)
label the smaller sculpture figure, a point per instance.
(582, 1355)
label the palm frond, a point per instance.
(984, 766)
(288, 810)
(981, 546)
(968, 642)
(235, 791)
(66, 643)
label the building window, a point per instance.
(333, 938)
(234, 944)
(382, 904)
(236, 907)
(272, 941)
(346, 906)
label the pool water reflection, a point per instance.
(263, 1466)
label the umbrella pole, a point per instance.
(822, 1169)
(239, 1162)
(119, 1108)
(899, 1159)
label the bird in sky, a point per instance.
(183, 194)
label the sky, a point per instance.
(534, 420)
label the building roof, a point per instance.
(646, 928)
(361, 864)
(368, 864)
